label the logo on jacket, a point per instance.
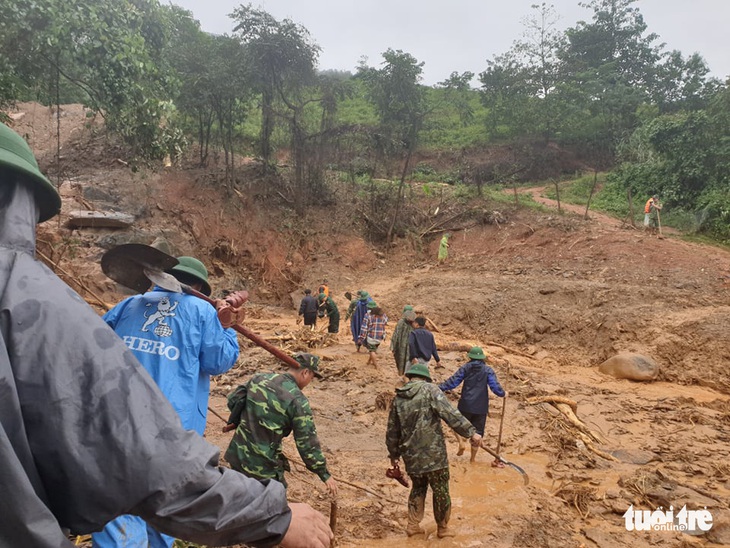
(164, 310)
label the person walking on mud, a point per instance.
(422, 344)
(443, 248)
(328, 305)
(399, 340)
(308, 309)
(358, 315)
(372, 332)
(269, 407)
(197, 345)
(478, 379)
(414, 433)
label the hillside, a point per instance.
(549, 296)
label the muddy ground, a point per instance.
(549, 296)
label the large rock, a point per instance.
(634, 367)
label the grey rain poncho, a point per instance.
(86, 435)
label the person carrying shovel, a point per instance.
(478, 379)
(181, 342)
(414, 432)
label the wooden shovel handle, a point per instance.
(250, 335)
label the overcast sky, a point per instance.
(460, 35)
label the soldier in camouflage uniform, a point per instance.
(414, 433)
(274, 407)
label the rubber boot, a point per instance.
(414, 519)
(473, 454)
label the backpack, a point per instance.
(236, 404)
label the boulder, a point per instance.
(634, 367)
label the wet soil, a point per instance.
(548, 295)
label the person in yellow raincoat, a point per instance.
(444, 248)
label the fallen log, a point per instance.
(99, 219)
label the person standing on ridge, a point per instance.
(443, 248)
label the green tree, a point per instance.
(399, 100)
(110, 51)
(283, 59)
(609, 66)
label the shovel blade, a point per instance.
(166, 281)
(126, 264)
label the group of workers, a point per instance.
(101, 418)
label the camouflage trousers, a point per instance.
(439, 482)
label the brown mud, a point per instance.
(560, 292)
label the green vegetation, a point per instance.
(604, 90)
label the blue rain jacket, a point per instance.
(180, 342)
(477, 377)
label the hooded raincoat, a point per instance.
(86, 435)
(358, 314)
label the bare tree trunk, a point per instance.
(631, 206)
(389, 237)
(593, 188)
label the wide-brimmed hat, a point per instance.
(418, 370)
(16, 156)
(476, 353)
(194, 268)
(372, 304)
(363, 294)
(309, 361)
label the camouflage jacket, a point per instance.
(275, 406)
(414, 426)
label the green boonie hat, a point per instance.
(15, 155)
(372, 304)
(418, 370)
(196, 269)
(363, 295)
(476, 353)
(309, 361)
(322, 296)
(407, 307)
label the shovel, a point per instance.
(497, 462)
(525, 477)
(138, 266)
(659, 225)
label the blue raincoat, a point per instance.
(180, 342)
(361, 308)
